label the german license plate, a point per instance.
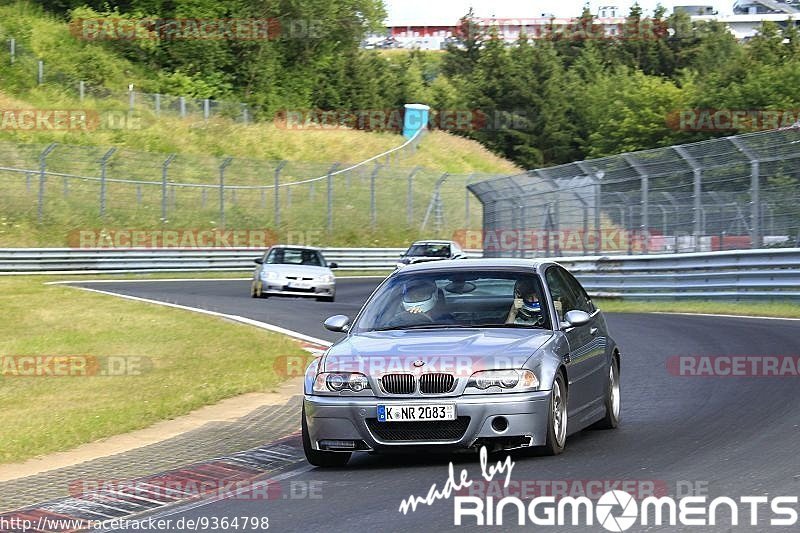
(415, 413)
(299, 285)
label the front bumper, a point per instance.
(337, 418)
(281, 287)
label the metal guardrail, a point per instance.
(740, 274)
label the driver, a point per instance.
(421, 304)
(526, 309)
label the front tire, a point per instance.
(317, 457)
(557, 418)
(612, 401)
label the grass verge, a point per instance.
(187, 361)
(770, 309)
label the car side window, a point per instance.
(563, 299)
(582, 300)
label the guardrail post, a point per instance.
(182, 106)
(373, 208)
(222, 167)
(157, 98)
(42, 177)
(277, 193)
(164, 167)
(40, 72)
(410, 197)
(103, 166)
(206, 109)
(81, 90)
(330, 196)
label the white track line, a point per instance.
(722, 316)
(235, 318)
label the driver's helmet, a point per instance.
(419, 295)
(526, 290)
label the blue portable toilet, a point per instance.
(415, 119)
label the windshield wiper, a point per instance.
(424, 326)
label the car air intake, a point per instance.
(398, 383)
(439, 430)
(436, 383)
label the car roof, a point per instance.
(431, 242)
(476, 264)
(293, 246)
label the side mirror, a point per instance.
(402, 255)
(333, 265)
(259, 261)
(339, 323)
(575, 318)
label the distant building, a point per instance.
(695, 10)
(744, 27)
(764, 7)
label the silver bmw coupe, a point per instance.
(502, 353)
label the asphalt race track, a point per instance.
(728, 436)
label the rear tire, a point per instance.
(612, 400)
(320, 458)
(557, 418)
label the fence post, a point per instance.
(164, 167)
(467, 194)
(12, 48)
(131, 98)
(277, 193)
(330, 196)
(410, 197)
(138, 194)
(644, 223)
(182, 104)
(225, 163)
(81, 90)
(206, 109)
(42, 176)
(697, 173)
(40, 72)
(66, 186)
(28, 181)
(245, 114)
(755, 192)
(435, 203)
(158, 103)
(103, 165)
(373, 207)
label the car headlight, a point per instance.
(399, 265)
(505, 380)
(327, 278)
(268, 276)
(341, 382)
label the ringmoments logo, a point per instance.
(615, 510)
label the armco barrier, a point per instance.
(741, 274)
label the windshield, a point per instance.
(294, 256)
(456, 299)
(429, 250)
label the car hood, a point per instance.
(460, 351)
(421, 259)
(297, 270)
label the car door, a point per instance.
(579, 366)
(598, 338)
